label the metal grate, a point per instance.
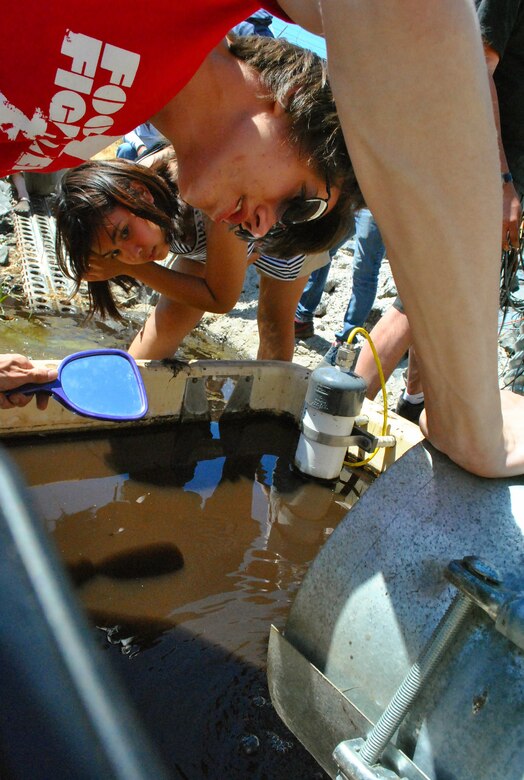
(45, 286)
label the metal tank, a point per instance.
(403, 653)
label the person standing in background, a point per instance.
(367, 258)
(258, 23)
(139, 141)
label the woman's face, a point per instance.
(130, 239)
(248, 175)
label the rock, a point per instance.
(387, 288)
(321, 309)
(5, 197)
(334, 280)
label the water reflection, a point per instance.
(40, 337)
(222, 498)
(186, 544)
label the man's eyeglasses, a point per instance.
(299, 210)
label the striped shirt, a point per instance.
(286, 270)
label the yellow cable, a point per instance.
(350, 338)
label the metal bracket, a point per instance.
(482, 583)
(358, 438)
(240, 399)
(347, 756)
(195, 405)
(479, 584)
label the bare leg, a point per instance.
(164, 330)
(413, 381)
(18, 182)
(277, 304)
(391, 337)
(170, 321)
(430, 174)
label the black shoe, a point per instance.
(304, 329)
(408, 410)
(331, 355)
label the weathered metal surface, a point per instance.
(375, 593)
(46, 288)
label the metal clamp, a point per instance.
(358, 438)
(482, 583)
(478, 583)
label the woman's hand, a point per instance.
(17, 370)
(100, 269)
(211, 286)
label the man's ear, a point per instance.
(278, 109)
(142, 191)
(283, 107)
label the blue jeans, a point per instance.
(126, 152)
(369, 253)
(252, 28)
(312, 294)
(314, 288)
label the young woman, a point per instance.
(116, 219)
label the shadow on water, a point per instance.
(210, 715)
(186, 544)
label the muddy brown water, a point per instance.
(186, 543)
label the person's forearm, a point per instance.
(134, 139)
(184, 288)
(422, 139)
(306, 13)
(391, 337)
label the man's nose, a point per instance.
(261, 221)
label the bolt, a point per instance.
(482, 569)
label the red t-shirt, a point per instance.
(75, 76)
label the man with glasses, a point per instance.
(274, 164)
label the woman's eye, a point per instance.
(124, 233)
(114, 254)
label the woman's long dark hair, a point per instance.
(87, 193)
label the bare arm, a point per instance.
(134, 139)
(511, 208)
(306, 13)
(213, 287)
